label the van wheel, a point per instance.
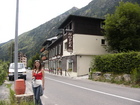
(10, 78)
(25, 78)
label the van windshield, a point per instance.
(20, 65)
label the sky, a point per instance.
(32, 13)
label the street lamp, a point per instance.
(16, 42)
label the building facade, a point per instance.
(73, 49)
(22, 58)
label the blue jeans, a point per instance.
(36, 91)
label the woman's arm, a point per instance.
(33, 74)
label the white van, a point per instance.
(21, 71)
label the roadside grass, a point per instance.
(3, 102)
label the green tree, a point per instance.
(3, 71)
(122, 29)
(11, 52)
(31, 60)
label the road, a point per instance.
(70, 91)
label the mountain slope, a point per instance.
(30, 42)
(99, 8)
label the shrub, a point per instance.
(135, 75)
(117, 63)
(3, 71)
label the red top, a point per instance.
(38, 75)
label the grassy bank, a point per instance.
(12, 99)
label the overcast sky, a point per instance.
(32, 13)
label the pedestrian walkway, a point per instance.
(70, 75)
(83, 77)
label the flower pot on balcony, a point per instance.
(44, 58)
(42, 49)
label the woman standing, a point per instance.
(38, 77)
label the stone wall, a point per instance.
(108, 76)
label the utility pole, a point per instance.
(16, 42)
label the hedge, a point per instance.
(3, 71)
(117, 63)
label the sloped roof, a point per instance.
(56, 41)
(49, 40)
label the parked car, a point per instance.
(21, 71)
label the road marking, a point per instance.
(94, 90)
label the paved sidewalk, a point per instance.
(69, 76)
(82, 77)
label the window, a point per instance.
(50, 53)
(60, 49)
(102, 24)
(70, 64)
(56, 50)
(53, 51)
(64, 31)
(68, 27)
(103, 42)
(66, 46)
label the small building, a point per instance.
(22, 58)
(45, 51)
(73, 50)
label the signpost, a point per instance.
(70, 40)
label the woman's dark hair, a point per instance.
(40, 67)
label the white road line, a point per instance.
(95, 90)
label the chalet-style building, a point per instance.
(73, 50)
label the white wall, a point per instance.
(88, 45)
(83, 64)
(65, 52)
